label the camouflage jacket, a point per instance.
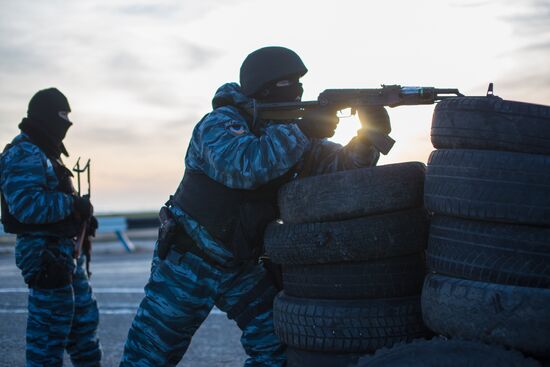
(28, 183)
(226, 148)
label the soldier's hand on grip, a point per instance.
(375, 118)
(319, 124)
(82, 207)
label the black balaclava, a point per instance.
(44, 124)
(286, 90)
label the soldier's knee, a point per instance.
(254, 303)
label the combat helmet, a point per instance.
(267, 65)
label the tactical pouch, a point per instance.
(54, 271)
(173, 237)
(167, 232)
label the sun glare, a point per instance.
(347, 129)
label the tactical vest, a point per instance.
(235, 217)
(68, 227)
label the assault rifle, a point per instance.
(355, 99)
(83, 243)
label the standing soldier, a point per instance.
(211, 235)
(40, 205)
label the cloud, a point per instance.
(543, 46)
(188, 10)
(144, 59)
(43, 34)
(156, 10)
(534, 18)
(133, 136)
(471, 4)
(139, 74)
(198, 56)
(528, 74)
(111, 136)
(17, 59)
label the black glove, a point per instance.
(92, 226)
(375, 118)
(319, 124)
(82, 207)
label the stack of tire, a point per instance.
(488, 185)
(351, 245)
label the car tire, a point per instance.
(513, 316)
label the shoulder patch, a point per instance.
(235, 129)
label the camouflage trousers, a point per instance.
(181, 292)
(63, 319)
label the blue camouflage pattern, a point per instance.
(244, 161)
(62, 318)
(181, 292)
(183, 289)
(28, 182)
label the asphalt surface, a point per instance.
(118, 279)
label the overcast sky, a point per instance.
(140, 74)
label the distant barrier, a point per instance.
(119, 226)
(140, 223)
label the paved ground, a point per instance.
(118, 280)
